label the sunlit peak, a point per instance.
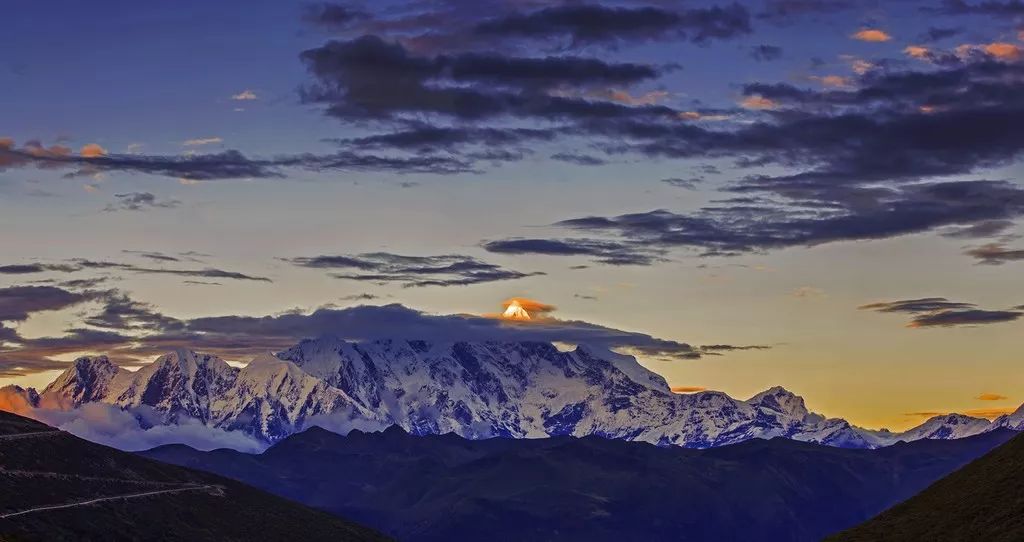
(515, 311)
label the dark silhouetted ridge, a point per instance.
(982, 501)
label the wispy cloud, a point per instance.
(139, 201)
(871, 35)
(411, 271)
(941, 312)
(198, 142)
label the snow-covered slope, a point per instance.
(948, 426)
(269, 399)
(535, 390)
(1013, 421)
(482, 389)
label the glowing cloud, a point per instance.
(991, 397)
(1003, 51)
(918, 52)
(871, 35)
(990, 413)
(832, 81)
(758, 102)
(245, 95)
(1007, 52)
(92, 150)
(648, 98)
(687, 389)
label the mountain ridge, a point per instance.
(476, 390)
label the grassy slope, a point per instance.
(982, 501)
(60, 468)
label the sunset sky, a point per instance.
(820, 194)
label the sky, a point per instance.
(820, 194)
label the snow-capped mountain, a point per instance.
(270, 398)
(948, 426)
(1013, 421)
(476, 390)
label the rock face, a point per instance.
(476, 390)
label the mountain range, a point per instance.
(443, 487)
(473, 389)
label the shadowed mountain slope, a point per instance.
(54, 486)
(982, 501)
(444, 487)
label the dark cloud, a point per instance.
(608, 252)
(123, 314)
(229, 164)
(784, 11)
(158, 256)
(83, 284)
(397, 321)
(78, 265)
(129, 329)
(766, 53)
(360, 297)
(25, 269)
(987, 228)
(718, 349)
(578, 159)
(594, 24)
(854, 214)
(860, 157)
(138, 201)
(941, 312)
(426, 138)
(8, 335)
(332, 16)
(964, 318)
(995, 254)
(17, 303)
(212, 273)
(688, 183)
(934, 34)
(915, 306)
(370, 78)
(998, 8)
(411, 271)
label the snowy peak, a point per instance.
(88, 379)
(180, 383)
(1014, 420)
(948, 426)
(781, 400)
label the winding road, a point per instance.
(18, 436)
(104, 499)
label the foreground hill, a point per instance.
(444, 487)
(54, 486)
(982, 501)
